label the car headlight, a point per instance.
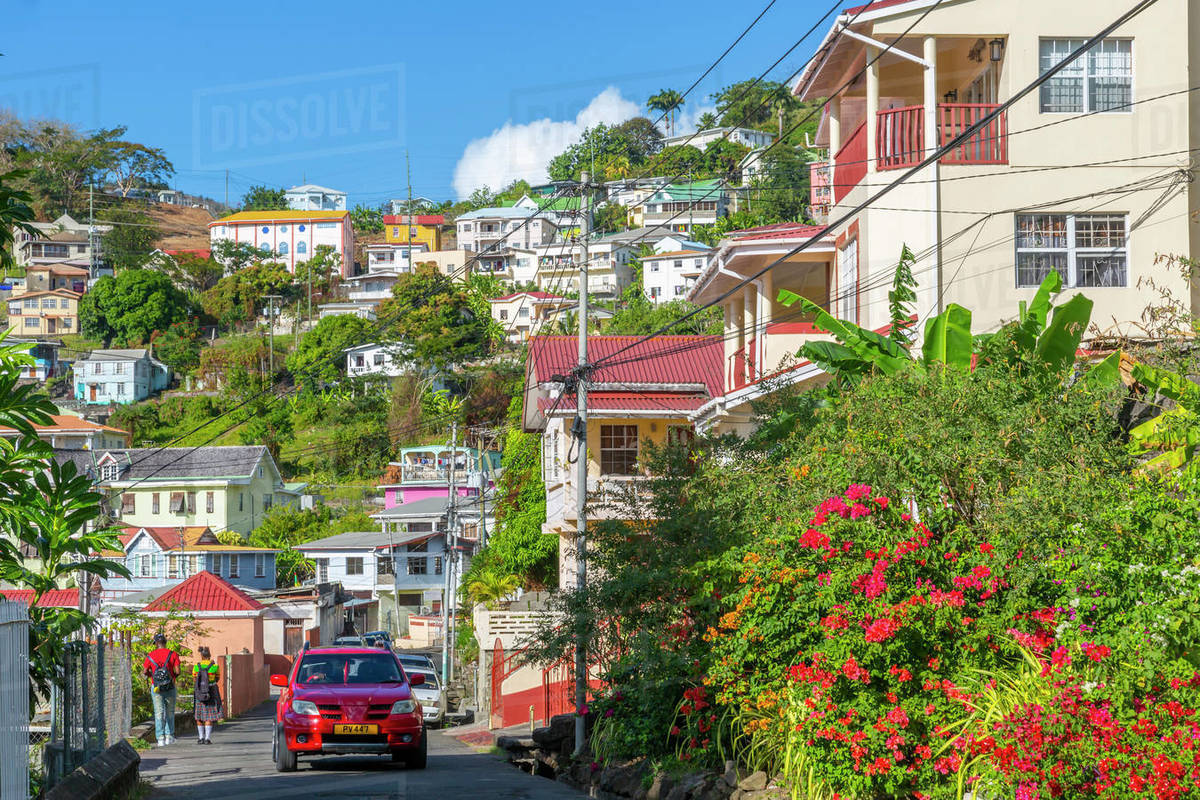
(404, 706)
(306, 708)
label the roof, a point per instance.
(168, 463)
(779, 230)
(427, 507)
(312, 187)
(188, 537)
(54, 598)
(661, 360)
(420, 219)
(507, 213)
(279, 216)
(62, 422)
(58, 269)
(876, 5)
(534, 295)
(205, 592)
(55, 292)
(363, 540)
(202, 252)
(624, 401)
(696, 190)
(115, 355)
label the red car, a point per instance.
(340, 700)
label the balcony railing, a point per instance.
(421, 473)
(900, 142)
(609, 497)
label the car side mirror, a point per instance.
(416, 680)
(279, 680)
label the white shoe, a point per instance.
(162, 742)
(170, 740)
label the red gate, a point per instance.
(502, 667)
(558, 689)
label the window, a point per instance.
(235, 566)
(268, 501)
(191, 502)
(241, 501)
(848, 283)
(437, 565)
(97, 369)
(655, 291)
(354, 565)
(31, 302)
(300, 228)
(322, 565)
(283, 228)
(654, 266)
(177, 505)
(504, 313)
(119, 368)
(144, 566)
(121, 389)
(154, 504)
(31, 322)
(266, 229)
(678, 290)
(49, 302)
(395, 232)
(377, 359)
(678, 263)
(128, 503)
(522, 312)
(1100, 80)
(385, 566)
(618, 449)
(216, 564)
(210, 502)
(360, 361)
(301, 247)
(110, 472)
(260, 565)
(65, 322)
(265, 247)
(172, 566)
(283, 248)
(1087, 250)
(418, 566)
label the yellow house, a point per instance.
(223, 488)
(412, 229)
(50, 313)
(644, 399)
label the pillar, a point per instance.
(872, 105)
(931, 96)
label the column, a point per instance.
(749, 325)
(872, 105)
(835, 137)
(931, 96)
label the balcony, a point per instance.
(900, 143)
(609, 497)
(424, 473)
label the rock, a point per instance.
(737, 794)
(688, 787)
(731, 775)
(561, 728)
(512, 745)
(660, 787)
(719, 790)
(623, 779)
(754, 782)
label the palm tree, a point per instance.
(617, 167)
(707, 120)
(668, 102)
(490, 588)
(16, 214)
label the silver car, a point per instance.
(431, 694)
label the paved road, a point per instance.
(238, 766)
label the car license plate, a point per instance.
(356, 729)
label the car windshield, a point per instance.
(416, 661)
(348, 668)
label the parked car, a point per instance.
(417, 660)
(432, 695)
(349, 641)
(342, 700)
(385, 635)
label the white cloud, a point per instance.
(687, 119)
(523, 151)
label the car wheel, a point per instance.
(285, 760)
(415, 759)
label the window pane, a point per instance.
(1042, 231)
(1032, 268)
(1063, 92)
(1110, 75)
(1100, 230)
(1101, 271)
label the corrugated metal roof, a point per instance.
(780, 230)
(280, 216)
(665, 359)
(418, 219)
(54, 598)
(506, 213)
(205, 592)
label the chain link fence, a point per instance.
(90, 709)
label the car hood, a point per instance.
(370, 694)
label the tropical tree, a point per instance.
(126, 309)
(668, 102)
(263, 198)
(189, 271)
(1172, 436)
(16, 214)
(132, 165)
(131, 241)
(320, 356)
(707, 120)
(490, 589)
(439, 320)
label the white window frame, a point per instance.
(1085, 73)
(260, 565)
(848, 281)
(235, 565)
(1072, 250)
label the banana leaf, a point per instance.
(1032, 317)
(1106, 374)
(948, 338)
(1170, 384)
(876, 350)
(1059, 343)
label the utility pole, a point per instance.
(226, 188)
(93, 239)
(448, 561)
(395, 578)
(581, 466)
(271, 298)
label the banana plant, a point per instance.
(1175, 434)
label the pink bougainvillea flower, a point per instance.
(858, 491)
(858, 510)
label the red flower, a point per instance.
(882, 502)
(859, 510)
(881, 630)
(986, 549)
(858, 491)
(898, 717)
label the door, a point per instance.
(92, 392)
(50, 325)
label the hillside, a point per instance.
(181, 228)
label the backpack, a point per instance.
(203, 687)
(161, 677)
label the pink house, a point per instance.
(425, 472)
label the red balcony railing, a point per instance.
(989, 145)
(850, 163)
(900, 137)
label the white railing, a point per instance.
(421, 473)
(369, 294)
(14, 701)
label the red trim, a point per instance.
(794, 327)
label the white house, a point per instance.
(384, 257)
(311, 197)
(492, 234)
(668, 276)
(290, 237)
(375, 359)
(743, 136)
(74, 433)
(525, 313)
(61, 240)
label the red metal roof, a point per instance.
(664, 359)
(55, 598)
(626, 401)
(420, 219)
(205, 592)
(780, 230)
(169, 538)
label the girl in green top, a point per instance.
(206, 677)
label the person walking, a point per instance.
(162, 668)
(206, 675)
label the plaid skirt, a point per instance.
(209, 712)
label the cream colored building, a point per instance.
(523, 313)
(1091, 174)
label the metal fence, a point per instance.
(14, 701)
(91, 707)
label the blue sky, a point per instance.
(335, 93)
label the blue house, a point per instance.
(159, 557)
(119, 376)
